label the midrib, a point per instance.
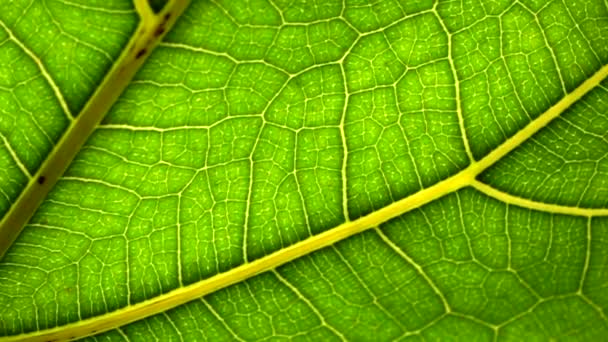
(144, 39)
(204, 287)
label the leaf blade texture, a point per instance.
(321, 171)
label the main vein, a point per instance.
(145, 38)
(464, 178)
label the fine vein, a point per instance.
(540, 206)
(172, 299)
(464, 178)
(145, 38)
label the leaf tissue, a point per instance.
(304, 170)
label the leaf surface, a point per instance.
(317, 171)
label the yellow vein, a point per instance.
(245, 271)
(459, 113)
(540, 206)
(43, 70)
(581, 284)
(185, 294)
(16, 158)
(96, 9)
(146, 13)
(541, 121)
(417, 267)
(344, 169)
(219, 318)
(149, 32)
(310, 305)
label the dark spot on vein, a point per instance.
(41, 180)
(160, 30)
(167, 16)
(140, 53)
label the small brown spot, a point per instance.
(140, 53)
(167, 16)
(160, 30)
(41, 180)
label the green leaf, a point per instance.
(311, 170)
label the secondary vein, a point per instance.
(464, 178)
(145, 38)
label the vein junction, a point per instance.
(394, 74)
(465, 178)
